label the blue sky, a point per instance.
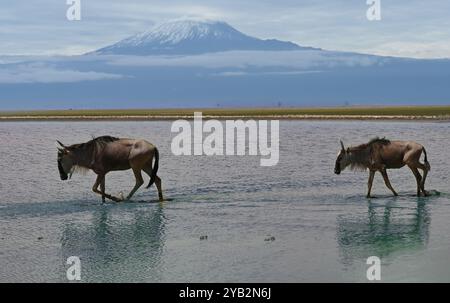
(409, 28)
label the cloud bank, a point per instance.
(40, 27)
(41, 73)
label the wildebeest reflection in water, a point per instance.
(117, 245)
(382, 231)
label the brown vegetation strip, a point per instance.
(234, 117)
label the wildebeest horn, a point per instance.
(62, 145)
(342, 144)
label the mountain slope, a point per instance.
(193, 37)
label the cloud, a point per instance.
(41, 73)
(40, 27)
(414, 49)
(305, 59)
(276, 73)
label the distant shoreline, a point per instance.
(264, 117)
(405, 113)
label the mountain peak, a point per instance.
(181, 30)
(190, 36)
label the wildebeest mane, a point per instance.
(360, 156)
(373, 142)
(97, 141)
(90, 150)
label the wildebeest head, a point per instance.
(341, 161)
(65, 162)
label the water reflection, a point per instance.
(383, 231)
(44, 220)
(118, 245)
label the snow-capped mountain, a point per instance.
(193, 37)
(192, 64)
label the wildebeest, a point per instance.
(382, 154)
(105, 154)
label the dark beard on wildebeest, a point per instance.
(361, 156)
(62, 173)
(359, 160)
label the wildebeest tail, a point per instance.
(427, 164)
(154, 169)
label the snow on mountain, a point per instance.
(193, 37)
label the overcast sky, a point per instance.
(411, 28)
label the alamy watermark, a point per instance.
(73, 12)
(374, 11)
(73, 273)
(373, 273)
(229, 138)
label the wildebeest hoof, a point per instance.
(116, 199)
(269, 238)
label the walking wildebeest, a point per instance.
(382, 154)
(105, 154)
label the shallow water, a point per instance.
(322, 225)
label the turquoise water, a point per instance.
(294, 222)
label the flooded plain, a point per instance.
(229, 219)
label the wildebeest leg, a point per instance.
(369, 184)
(139, 182)
(418, 178)
(100, 181)
(102, 188)
(425, 170)
(412, 159)
(148, 171)
(159, 187)
(97, 184)
(387, 182)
